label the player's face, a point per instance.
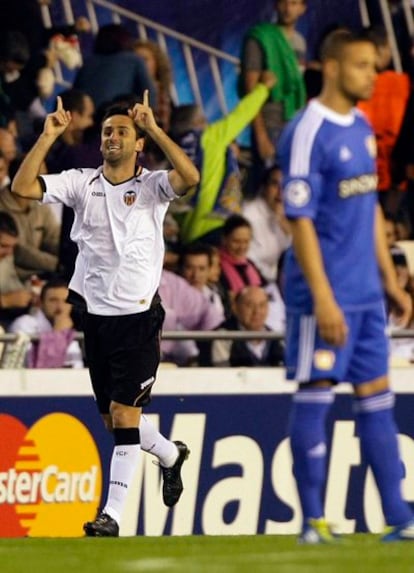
(356, 71)
(118, 140)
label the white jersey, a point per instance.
(119, 233)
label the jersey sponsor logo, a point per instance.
(324, 359)
(371, 145)
(345, 153)
(297, 193)
(49, 474)
(358, 185)
(98, 194)
(129, 198)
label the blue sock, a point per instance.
(308, 444)
(378, 435)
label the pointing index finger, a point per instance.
(146, 98)
(59, 106)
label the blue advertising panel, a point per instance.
(238, 478)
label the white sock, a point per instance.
(156, 444)
(123, 464)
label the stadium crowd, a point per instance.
(225, 240)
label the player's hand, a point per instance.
(143, 115)
(58, 121)
(331, 322)
(401, 307)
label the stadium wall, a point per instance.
(54, 454)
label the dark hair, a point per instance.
(335, 42)
(112, 38)
(121, 109)
(73, 100)
(196, 249)
(182, 118)
(234, 222)
(398, 257)
(57, 282)
(268, 173)
(14, 47)
(8, 225)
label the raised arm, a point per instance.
(184, 174)
(25, 182)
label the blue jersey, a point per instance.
(329, 176)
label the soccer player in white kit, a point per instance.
(118, 227)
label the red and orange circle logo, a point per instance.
(50, 477)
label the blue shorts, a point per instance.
(363, 358)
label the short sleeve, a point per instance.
(301, 195)
(60, 188)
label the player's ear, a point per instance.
(139, 144)
(330, 69)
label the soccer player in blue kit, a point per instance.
(336, 274)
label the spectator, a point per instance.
(385, 111)
(271, 234)
(159, 68)
(401, 349)
(37, 249)
(8, 145)
(237, 271)
(64, 155)
(195, 266)
(53, 324)
(113, 69)
(185, 309)
(281, 49)
(81, 107)
(218, 194)
(14, 298)
(251, 308)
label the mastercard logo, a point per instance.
(50, 477)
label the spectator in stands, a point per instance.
(218, 194)
(159, 68)
(14, 56)
(14, 297)
(113, 69)
(237, 271)
(390, 229)
(385, 111)
(36, 252)
(172, 243)
(82, 110)
(271, 234)
(401, 349)
(195, 263)
(251, 308)
(53, 323)
(65, 155)
(185, 309)
(8, 145)
(281, 48)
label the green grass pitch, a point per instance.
(204, 554)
